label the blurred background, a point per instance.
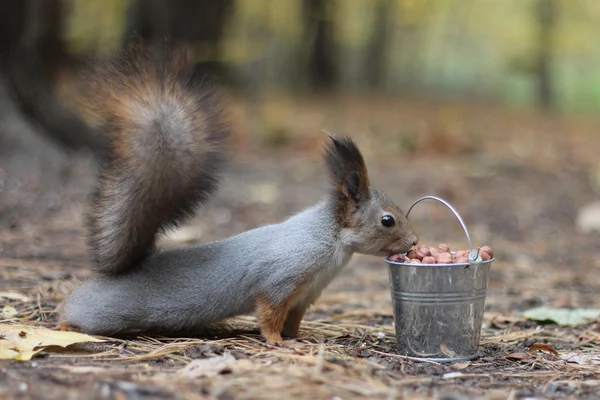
(492, 105)
(519, 54)
(522, 53)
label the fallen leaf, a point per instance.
(563, 316)
(209, 367)
(7, 354)
(582, 358)
(22, 342)
(8, 312)
(518, 356)
(543, 347)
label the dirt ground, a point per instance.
(518, 180)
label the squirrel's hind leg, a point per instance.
(271, 318)
(65, 326)
(291, 326)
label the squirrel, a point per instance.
(166, 133)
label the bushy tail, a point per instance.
(166, 136)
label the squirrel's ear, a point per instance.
(347, 170)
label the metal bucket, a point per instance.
(438, 308)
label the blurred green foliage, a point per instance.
(475, 49)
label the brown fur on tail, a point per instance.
(166, 136)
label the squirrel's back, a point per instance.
(166, 134)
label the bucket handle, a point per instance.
(472, 254)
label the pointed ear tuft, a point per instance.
(347, 170)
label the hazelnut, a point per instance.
(445, 258)
(443, 248)
(397, 258)
(429, 260)
(441, 254)
(461, 253)
(423, 252)
(488, 250)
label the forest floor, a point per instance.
(518, 179)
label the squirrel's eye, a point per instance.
(388, 221)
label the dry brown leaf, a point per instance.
(543, 347)
(22, 342)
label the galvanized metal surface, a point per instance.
(438, 308)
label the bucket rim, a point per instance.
(448, 359)
(403, 264)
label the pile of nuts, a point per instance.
(441, 254)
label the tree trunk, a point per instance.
(376, 61)
(199, 21)
(546, 17)
(32, 52)
(322, 70)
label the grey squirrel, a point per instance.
(166, 135)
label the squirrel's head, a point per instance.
(370, 221)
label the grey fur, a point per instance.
(167, 140)
(187, 289)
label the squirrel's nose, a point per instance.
(415, 239)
